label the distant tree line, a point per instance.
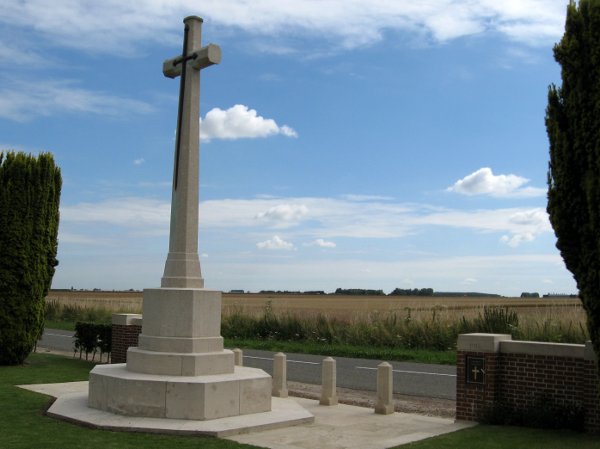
(358, 292)
(413, 292)
(530, 295)
(286, 292)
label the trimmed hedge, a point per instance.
(91, 338)
(29, 199)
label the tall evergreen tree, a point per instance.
(573, 126)
(29, 199)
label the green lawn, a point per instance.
(23, 424)
(497, 437)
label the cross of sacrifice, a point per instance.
(177, 66)
(182, 268)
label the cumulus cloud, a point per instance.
(525, 226)
(322, 243)
(139, 161)
(485, 182)
(240, 122)
(515, 240)
(276, 243)
(284, 214)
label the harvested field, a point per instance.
(342, 307)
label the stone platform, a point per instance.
(114, 389)
(73, 407)
(342, 426)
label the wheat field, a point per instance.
(344, 307)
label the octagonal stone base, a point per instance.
(114, 389)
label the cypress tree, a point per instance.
(29, 200)
(573, 127)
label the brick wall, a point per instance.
(126, 327)
(525, 375)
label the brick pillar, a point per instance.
(126, 327)
(476, 374)
(591, 390)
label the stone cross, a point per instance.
(182, 268)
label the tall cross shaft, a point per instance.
(182, 268)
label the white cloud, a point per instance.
(517, 239)
(284, 214)
(139, 161)
(469, 281)
(142, 213)
(275, 243)
(484, 182)
(322, 243)
(119, 27)
(240, 122)
(21, 100)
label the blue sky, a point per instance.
(350, 144)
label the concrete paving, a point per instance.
(334, 427)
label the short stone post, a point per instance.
(385, 385)
(238, 357)
(280, 375)
(328, 379)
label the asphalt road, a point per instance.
(414, 379)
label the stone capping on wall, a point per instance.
(127, 319)
(541, 348)
(503, 343)
(481, 342)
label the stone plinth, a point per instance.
(114, 389)
(180, 369)
(181, 334)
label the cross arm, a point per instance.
(205, 57)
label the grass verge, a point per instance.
(344, 350)
(501, 437)
(24, 426)
(60, 324)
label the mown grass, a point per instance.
(501, 437)
(24, 426)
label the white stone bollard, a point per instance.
(238, 357)
(385, 389)
(280, 375)
(328, 379)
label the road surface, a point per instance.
(414, 379)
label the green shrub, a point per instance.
(91, 338)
